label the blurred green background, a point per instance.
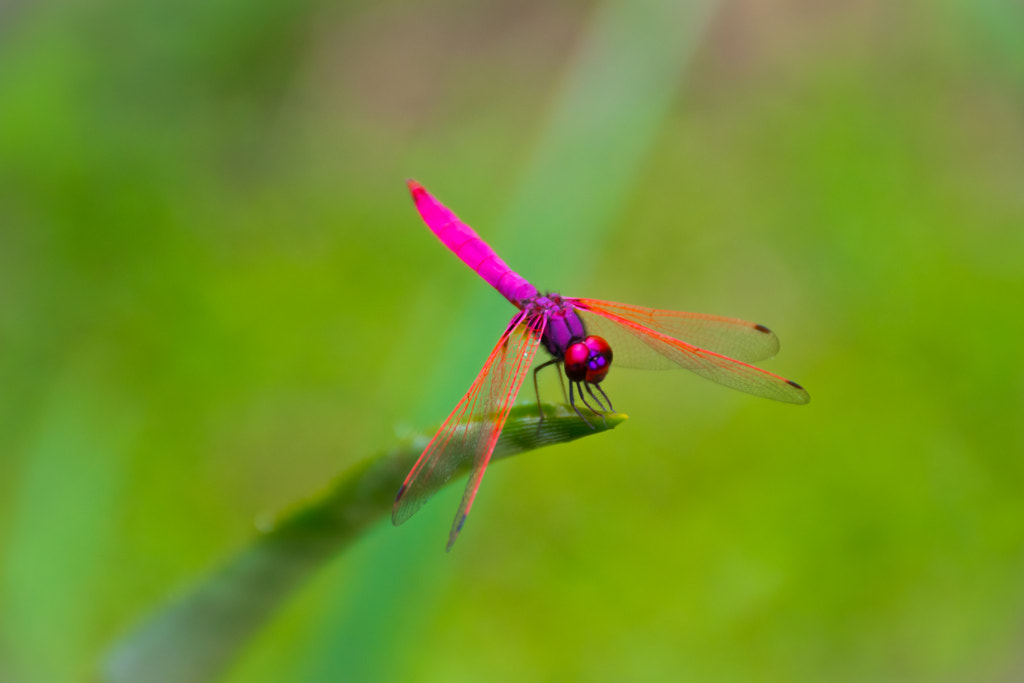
(215, 295)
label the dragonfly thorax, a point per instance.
(563, 326)
(586, 358)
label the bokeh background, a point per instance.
(215, 295)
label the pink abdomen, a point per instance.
(468, 246)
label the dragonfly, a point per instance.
(579, 336)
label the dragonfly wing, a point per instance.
(739, 339)
(471, 431)
(636, 345)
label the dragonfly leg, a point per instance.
(536, 389)
(595, 412)
(596, 398)
(572, 402)
(598, 401)
(610, 408)
(561, 382)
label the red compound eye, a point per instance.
(588, 360)
(576, 361)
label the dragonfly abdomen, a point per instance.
(468, 246)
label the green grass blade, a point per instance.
(197, 636)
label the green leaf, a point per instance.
(198, 635)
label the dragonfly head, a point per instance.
(588, 360)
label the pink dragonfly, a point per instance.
(716, 348)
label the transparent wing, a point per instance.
(638, 346)
(471, 431)
(739, 339)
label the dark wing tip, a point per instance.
(455, 533)
(762, 328)
(804, 397)
(396, 519)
